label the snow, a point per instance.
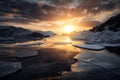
(98, 37)
(48, 33)
(7, 68)
(23, 53)
(106, 65)
(89, 46)
(13, 33)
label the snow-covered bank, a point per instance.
(90, 47)
(107, 32)
(98, 37)
(106, 35)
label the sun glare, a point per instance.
(69, 28)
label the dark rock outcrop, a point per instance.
(113, 24)
(114, 49)
(8, 33)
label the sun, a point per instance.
(69, 28)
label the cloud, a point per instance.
(91, 6)
(23, 10)
(96, 6)
(34, 10)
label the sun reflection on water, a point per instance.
(68, 39)
(62, 43)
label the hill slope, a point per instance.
(11, 33)
(108, 32)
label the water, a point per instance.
(55, 59)
(55, 56)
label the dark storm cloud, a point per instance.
(61, 2)
(96, 6)
(32, 10)
(23, 11)
(92, 6)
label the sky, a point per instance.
(53, 14)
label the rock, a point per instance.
(35, 34)
(98, 37)
(7, 68)
(8, 33)
(114, 49)
(107, 32)
(111, 24)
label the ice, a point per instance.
(49, 33)
(61, 43)
(106, 65)
(30, 43)
(7, 68)
(110, 45)
(22, 53)
(89, 46)
(103, 60)
(101, 37)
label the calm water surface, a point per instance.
(59, 49)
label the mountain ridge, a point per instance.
(12, 33)
(111, 24)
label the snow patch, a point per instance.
(106, 65)
(98, 37)
(48, 33)
(89, 46)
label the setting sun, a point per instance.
(69, 28)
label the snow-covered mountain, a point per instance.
(13, 33)
(108, 32)
(48, 33)
(112, 24)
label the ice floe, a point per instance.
(22, 53)
(7, 68)
(89, 46)
(30, 43)
(61, 43)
